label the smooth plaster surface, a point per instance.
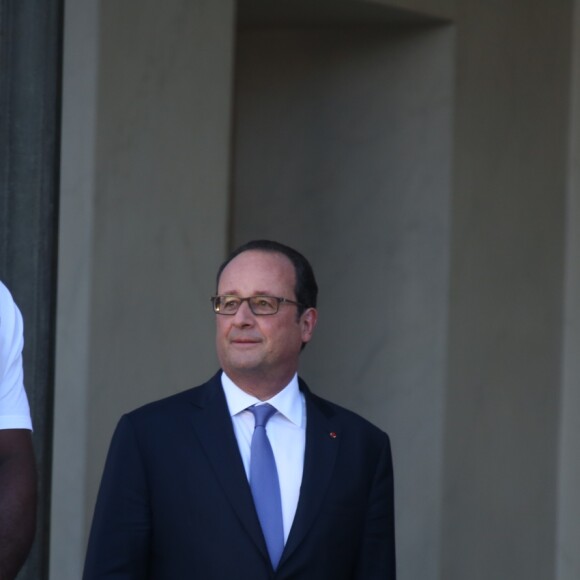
(161, 205)
(503, 395)
(77, 192)
(342, 149)
(144, 216)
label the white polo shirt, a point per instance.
(14, 409)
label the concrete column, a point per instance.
(73, 353)
(144, 222)
(568, 533)
(505, 334)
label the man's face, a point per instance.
(261, 346)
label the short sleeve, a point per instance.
(14, 408)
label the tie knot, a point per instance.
(262, 414)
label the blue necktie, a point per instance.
(265, 485)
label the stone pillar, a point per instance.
(568, 533)
(505, 323)
(145, 177)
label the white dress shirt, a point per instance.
(287, 434)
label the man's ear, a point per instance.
(307, 323)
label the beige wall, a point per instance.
(343, 149)
(77, 197)
(147, 99)
(504, 389)
(432, 166)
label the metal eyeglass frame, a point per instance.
(214, 301)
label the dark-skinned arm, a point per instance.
(17, 500)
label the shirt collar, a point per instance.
(288, 402)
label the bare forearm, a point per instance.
(17, 500)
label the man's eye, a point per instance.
(230, 303)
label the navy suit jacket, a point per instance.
(175, 503)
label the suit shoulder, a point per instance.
(174, 403)
(347, 417)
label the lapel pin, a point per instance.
(332, 434)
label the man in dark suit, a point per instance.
(201, 486)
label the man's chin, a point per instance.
(244, 363)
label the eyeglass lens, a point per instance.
(258, 304)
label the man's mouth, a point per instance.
(245, 341)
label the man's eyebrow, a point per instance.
(256, 293)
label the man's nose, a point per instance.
(244, 315)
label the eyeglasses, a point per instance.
(259, 305)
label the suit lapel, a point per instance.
(322, 441)
(213, 427)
